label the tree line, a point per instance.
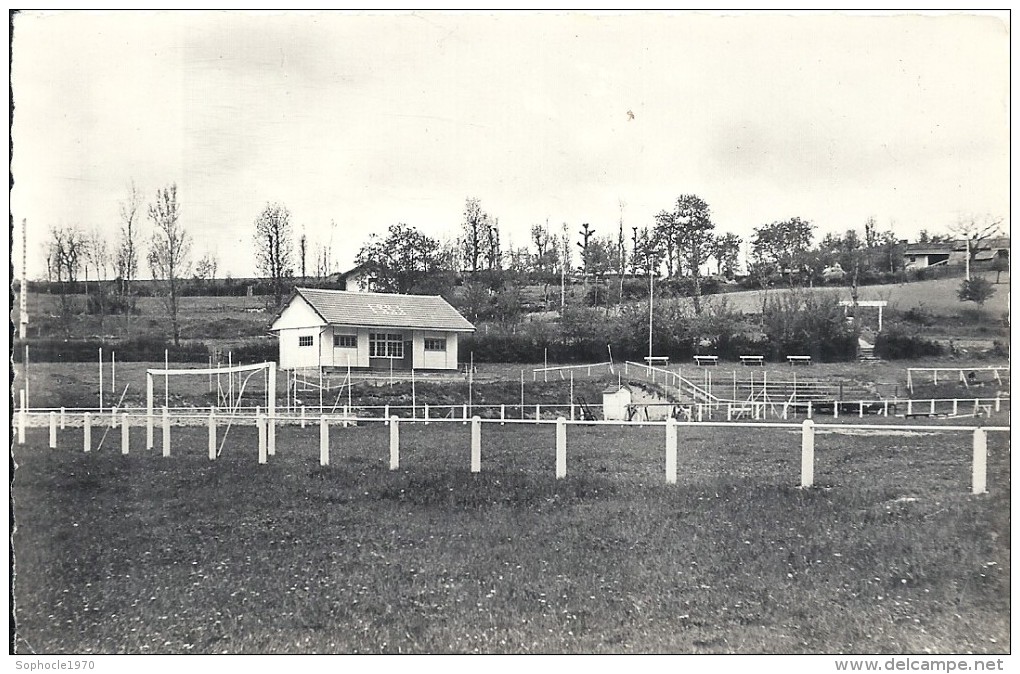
(680, 246)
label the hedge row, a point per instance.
(140, 349)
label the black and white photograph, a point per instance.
(510, 332)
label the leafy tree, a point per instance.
(168, 251)
(402, 260)
(273, 246)
(924, 236)
(975, 289)
(480, 238)
(693, 230)
(778, 248)
(205, 268)
(726, 252)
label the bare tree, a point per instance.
(97, 253)
(65, 256)
(273, 252)
(126, 254)
(975, 229)
(303, 247)
(168, 251)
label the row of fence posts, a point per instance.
(267, 444)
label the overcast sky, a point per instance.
(371, 119)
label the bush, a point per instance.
(977, 289)
(138, 349)
(919, 316)
(896, 343)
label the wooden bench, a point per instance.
(753, 360)
(656, 360)
(799, 360)
(706, 360)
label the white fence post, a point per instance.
(125, 434)
(21, 420)
(212, 433)
(809, 409)
(729, 411)
(426, 414)
(386, 414)
(998, 401)
(476, 444)
(980, 461)
(271, 431)
(166, 431)
(561, 448)
(302, 416)
(465, 416)
(956, 406)
(932, 410)
(860, 409)
(502, 415)
(113, 417)
(394, 443)
(63, 418)
(88, 432)
(323, 441)
(53, 430)
(835, 409)
(910, 407)
(538, 413)
(260, 425)
(670, 450)
(807, 453)
(149, 418)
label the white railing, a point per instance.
(267, 426)
(906, 407)
(956, 370)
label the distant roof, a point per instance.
(384, 310)
(929, 248)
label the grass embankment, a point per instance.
(77, 384)
(140, 554)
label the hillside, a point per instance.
(930, 308)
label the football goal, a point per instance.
(229, 395)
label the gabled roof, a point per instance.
(384, 310)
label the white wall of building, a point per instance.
(323, 353)
(292, 355)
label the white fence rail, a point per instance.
(266, 430)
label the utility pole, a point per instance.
(23, 305)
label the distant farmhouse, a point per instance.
(357, 279)
(336, 329)
(952, 253)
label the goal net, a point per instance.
(231, 384)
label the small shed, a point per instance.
(615, 401)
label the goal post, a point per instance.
(269, 367)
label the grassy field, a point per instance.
(141, 554)
(950, 316)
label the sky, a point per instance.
(356, 121)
